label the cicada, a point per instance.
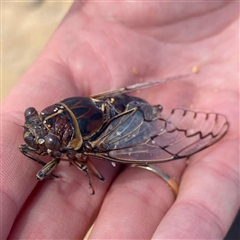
(116, 127)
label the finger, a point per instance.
(19, 180)
(135, 204)
(208, 199)
(46, 82)
(64, 207)
(17, 170)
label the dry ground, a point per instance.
(26, 27)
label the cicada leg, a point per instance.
(83, 167)
(25, 150)
(94, 171)
(46, 171)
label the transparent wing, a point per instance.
(145, 135)
(136, 87)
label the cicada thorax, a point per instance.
(72, 121)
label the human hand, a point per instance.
(95, 49)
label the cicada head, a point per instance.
(36, 135)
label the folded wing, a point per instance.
(138, 137)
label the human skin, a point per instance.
(95, 49)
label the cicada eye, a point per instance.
(30, 114)
(52, 142)
(29, 139)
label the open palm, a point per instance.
(102, 46)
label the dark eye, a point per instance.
(30, 114)
(52, 142)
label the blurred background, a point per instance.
(26, 28)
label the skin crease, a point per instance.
(95, 49)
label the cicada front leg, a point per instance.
(26, 150)
(46, 171)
